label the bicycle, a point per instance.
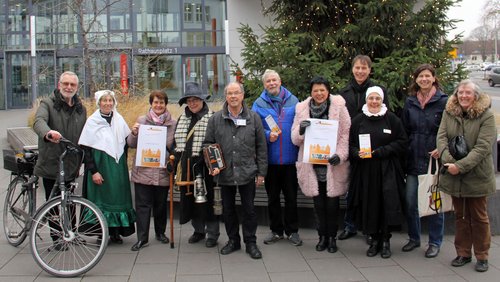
(20, 200)
(62, 229)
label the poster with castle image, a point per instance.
(320, 141)
(151, 146)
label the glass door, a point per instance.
(2, 92)
(195, 70)
(19, 85)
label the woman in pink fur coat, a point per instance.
(324, 182)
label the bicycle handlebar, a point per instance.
(68, 143)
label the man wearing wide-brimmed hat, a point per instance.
(189, 136)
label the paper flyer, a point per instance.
(151, 146)
(320, 141)
(273, 126)
(365, 145)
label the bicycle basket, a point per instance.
(17, 164)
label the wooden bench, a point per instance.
(25, 137)
(261, 199)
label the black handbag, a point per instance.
(458, 147)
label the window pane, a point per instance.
(157, 15)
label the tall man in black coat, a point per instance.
(354, 95)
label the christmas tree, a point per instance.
(321, 37)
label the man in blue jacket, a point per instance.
(276, 108)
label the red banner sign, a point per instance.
(124, 73)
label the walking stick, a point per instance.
(171, 160)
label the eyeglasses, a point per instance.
(192, 100)
(66, 84)
(233, 93)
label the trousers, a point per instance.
(282, 179)
(230, 214)
(472, 227)
(150, 199)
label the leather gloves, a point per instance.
(303, 125)
(334, 160)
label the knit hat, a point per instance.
(192, 89)
(98, 95)
(374, 89)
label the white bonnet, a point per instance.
(374, 89)
(98, 95)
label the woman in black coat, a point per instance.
(377, 179)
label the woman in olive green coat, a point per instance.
(471, 179)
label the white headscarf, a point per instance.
(383, 108)
(99, 94)
(99, 134)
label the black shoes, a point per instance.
(460, 261)
(139, 245)
(253, 251)
(373, 249)
(196, 237)
(115, 238)
(346, 234)
(210, 243)
(162, 238)
(332, 245)
(322, 244)
(481, 265)
(369, 239)
(410, 246)
(230, 247)
(432, 251)
(386, 250)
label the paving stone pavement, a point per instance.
(281, 261)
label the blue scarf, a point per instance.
(277, 100)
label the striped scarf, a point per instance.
(198, 134)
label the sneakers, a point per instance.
(346, 234)
(294, 239)
(460, 261)
(410, 246)
(482, 265)
(272, 238)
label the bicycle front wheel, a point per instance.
(81, 249)
(16, 212)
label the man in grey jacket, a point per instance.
(240, 134)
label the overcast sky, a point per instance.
(470, 11)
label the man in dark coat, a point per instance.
(354, 96)
(240, 134)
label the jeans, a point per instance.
(436, 221)
(349, 224)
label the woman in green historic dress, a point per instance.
(106, 181)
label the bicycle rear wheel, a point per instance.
(16, 212)
(81, 250)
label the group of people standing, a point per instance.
(381, 184)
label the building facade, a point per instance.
(130, 46)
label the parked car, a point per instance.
(484, 65)
(494, 77)
(490, 67)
